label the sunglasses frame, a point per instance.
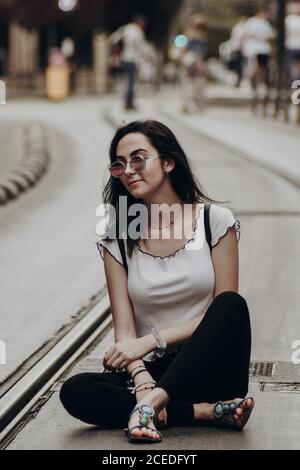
(143, 157)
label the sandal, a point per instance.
(146, 412)
(227, 410)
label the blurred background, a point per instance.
(224, 75)
(33, 30)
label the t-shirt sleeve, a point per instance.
(112, 247)
(221, 220)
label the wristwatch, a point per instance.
(161, 345)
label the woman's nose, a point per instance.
(128, 169)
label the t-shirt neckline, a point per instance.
(181, 247)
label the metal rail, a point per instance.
(20, 398)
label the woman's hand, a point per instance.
(125, 351)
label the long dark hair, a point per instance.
(183, 181)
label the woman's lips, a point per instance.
(134, 182)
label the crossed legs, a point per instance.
(212, 365)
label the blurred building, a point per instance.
(29, 29)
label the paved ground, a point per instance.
(266, 200)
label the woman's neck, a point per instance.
(170, 201)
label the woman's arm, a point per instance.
(225, 262)
(121, 306)
(225, 258)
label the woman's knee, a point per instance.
(72, 389)
(233, 304)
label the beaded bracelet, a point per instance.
(135, 389)
(145, 388)
(145, 383)
(130, 384)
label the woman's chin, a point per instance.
(137, 192)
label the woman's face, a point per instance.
(152, 177)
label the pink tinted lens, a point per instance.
(117, 170)
(137, 163)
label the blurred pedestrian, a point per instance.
(236, 48)
(193, 62)
(257, 46)
(56, 57)
(129, 40)
(292, 40)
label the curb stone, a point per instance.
(34, 162)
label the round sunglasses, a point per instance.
(136, 163)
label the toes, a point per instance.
(243, 408)
(149, 433)
(155, 434)
(246, 404)
(249, 403)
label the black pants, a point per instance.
(212, 365)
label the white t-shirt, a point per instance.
(257, 36)
(237, 36)
(133, 38)
(292, 40)
(168, 290)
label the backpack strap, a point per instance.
(207, 225)
(122, 251)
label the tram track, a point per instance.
(21, 397)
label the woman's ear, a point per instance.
(169, 165)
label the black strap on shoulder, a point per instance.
(207, 225)
(122, 251)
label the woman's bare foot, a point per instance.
(157, 399)
(142, 431)
(204, 412)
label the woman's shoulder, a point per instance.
(222, 219)
(219, 211)
(111, 245)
